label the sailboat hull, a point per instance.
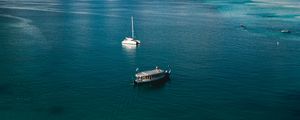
(130, 41)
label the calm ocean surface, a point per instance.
(63, 60)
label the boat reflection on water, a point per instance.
(130, 50)
(129, 47)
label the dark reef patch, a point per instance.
(293, 101)
(51, 110)
(5, 107)
(5, 89)
(56, 110)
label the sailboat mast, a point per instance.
(132, 29)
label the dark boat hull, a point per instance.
(166, 77)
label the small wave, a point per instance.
(287, 4)
(17, 18)
(30, 8)
(56, 11)
(38, 3)
(21, 22)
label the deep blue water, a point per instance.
(63, 60)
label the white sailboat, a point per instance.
(131, 40)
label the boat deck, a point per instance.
(150, 72)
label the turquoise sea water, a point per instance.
(63, 60)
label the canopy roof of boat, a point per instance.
(150, 72)
(128, 38)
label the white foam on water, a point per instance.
(56, 11)
(30, 8)
(48, 4)
(25, 26)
